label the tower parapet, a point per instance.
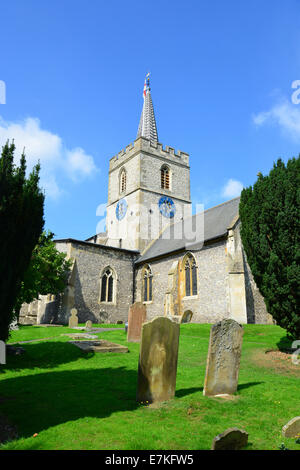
(148, 146)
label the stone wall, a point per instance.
(212, 300)
(90, 262)
(225, 285)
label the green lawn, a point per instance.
(76, 400)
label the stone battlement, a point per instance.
(155, 148)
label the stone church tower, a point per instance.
(149, 186)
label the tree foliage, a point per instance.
(21, 224)
(47, 271)
(270, 232)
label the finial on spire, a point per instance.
(147, 127)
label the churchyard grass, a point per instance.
(70, 399)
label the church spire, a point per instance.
(147, 127)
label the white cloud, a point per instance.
(232, 188)
(49, 149)
(285, 115)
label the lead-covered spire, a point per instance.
(147, 127)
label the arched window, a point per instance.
(190, 273)
(147, 283)
(165, 177)
(123, 181)
(107, 285)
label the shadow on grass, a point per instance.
(52, 398)
(44, 355)
(187, 391)
(247, 385)
(285, 344)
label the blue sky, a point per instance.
(221, 83)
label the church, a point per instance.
(190, 268)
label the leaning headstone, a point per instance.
(136, 318)
(88, 325)
(158, 360)
(73, 319)
(292, 428)
(223, 359)
(231, 439)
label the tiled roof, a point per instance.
(190, 233)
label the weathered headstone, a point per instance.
(89, 325)
(223, 359)
(73, 319)
(231, 439)
(292, 428)
(158, 360)
(136, 317)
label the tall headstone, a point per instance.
(73, 319)
(136, 317)
(223, 359)
(158, 360)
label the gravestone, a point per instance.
(136, 317)
(73, 319)
(231, 439)
(292, 428)
(89, 325)
(223, 359)
(158, 360)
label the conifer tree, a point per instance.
(21, 224)
(270, 232)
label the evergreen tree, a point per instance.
(21, 224)
(270, 232)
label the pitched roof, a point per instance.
(191, 233)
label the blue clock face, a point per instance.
(167, 207)
(121, 209)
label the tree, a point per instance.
(270, 232)
(46, 274)
(21, 224)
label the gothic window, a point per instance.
(165, 177)
(107, 286)
(123, 181)
(190, 272)
(147, 284)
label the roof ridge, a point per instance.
(222, 204)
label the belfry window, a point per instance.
(190, 271)
(107, 286)
(147, 284)
(165, 177)
(123, 181)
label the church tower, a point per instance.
(148, 188)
